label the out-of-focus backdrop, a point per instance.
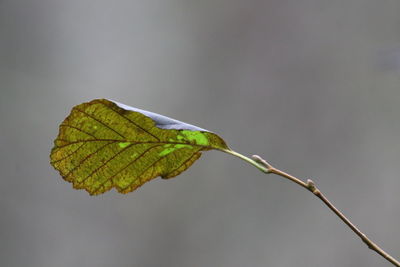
(312, 86)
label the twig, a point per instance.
(266, 167)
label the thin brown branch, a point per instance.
(310, 186)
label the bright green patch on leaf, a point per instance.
(167, 151)
(170, 149)
(124, 144)
(194, 136)
(104, 144)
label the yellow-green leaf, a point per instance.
(104, 144)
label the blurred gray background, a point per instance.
(312, 86)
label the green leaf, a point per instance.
(104, 144)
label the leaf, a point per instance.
(104, 144)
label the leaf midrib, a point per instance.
(133, 142)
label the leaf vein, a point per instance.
(104, 164)
(144, 171)
(135, 142)
(64, 158)
(99, 121)
(125, 167)
(128, 119)
(188, 159)
(76, 128)
(86, 158)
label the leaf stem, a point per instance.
(267, 168)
